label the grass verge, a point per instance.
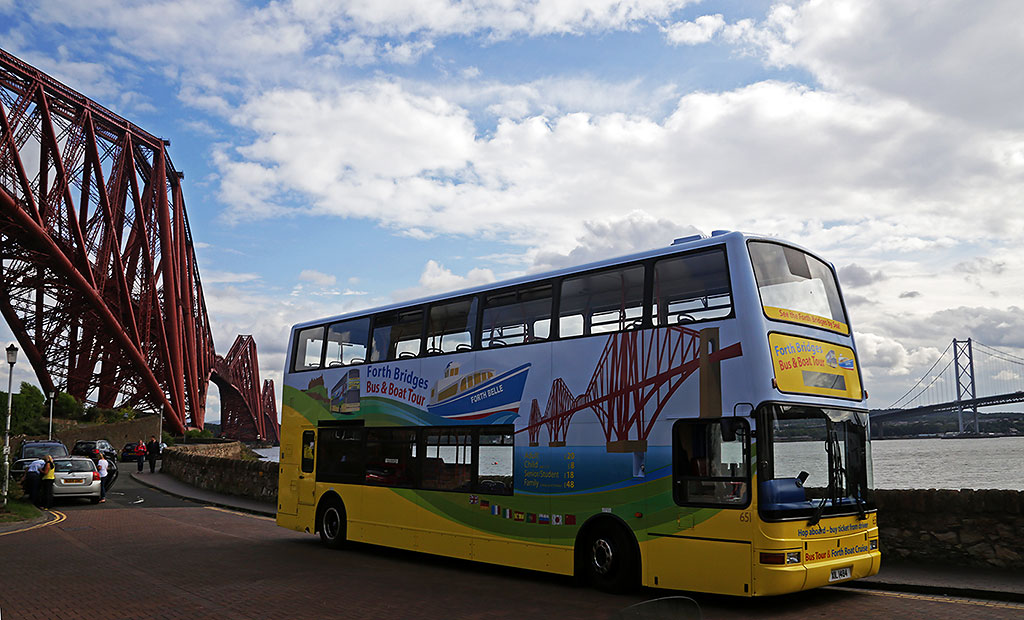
(18, 510)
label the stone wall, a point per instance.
(220, 468)
(980, 528)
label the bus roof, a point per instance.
(683, 244)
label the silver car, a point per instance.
(76, 476)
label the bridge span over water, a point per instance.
(954, 381)
(98, 274)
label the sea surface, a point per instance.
(990, 463)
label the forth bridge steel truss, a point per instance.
(98, 275)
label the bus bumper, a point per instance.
(770, 580)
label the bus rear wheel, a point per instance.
(332, 525)
(611, 560)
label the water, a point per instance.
(996, 463)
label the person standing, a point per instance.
(152, 453)
(48, 478)
(140, 454)
(33, 475)
(102, 465)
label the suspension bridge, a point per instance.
(968, 375)
(98, 275)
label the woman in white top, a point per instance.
(102, 465)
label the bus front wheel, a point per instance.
(611, 560)
(332, 525)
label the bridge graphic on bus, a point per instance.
(635, 376)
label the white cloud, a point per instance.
(317, 277)
(213, 276)
(701, 30)
(436, 279)
(956, 58)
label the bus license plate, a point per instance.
(839, 574)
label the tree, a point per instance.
(67, 406)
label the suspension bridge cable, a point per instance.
(893, 406)
(1003, 355)
(934, 379)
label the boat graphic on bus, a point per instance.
(478, 394)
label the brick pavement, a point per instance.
(167, 559)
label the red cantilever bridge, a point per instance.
(98, 274)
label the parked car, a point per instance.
(76, 476)
(93, 448)
(129, 452)
(32, 450)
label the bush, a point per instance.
(195, 432)
(167, 438)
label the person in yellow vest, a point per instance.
(47, 480)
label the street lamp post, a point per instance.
(12, 358)
(53, 396)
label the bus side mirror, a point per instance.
(729, 427)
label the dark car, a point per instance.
(130, 452)
(93, 448)
(32, 450)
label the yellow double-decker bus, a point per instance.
(690, 417)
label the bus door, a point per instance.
(306, 487)
(710, 548)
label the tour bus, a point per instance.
(689, 418)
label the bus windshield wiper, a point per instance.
(834, 470)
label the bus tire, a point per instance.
(611, 559)
(332, 524)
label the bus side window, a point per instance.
(691, 288)
(451, 326)
(607, 301)
(346, 342)
(309, 348)
(710, 462)
(308, 451)
(397, 335)
(517, 316)
(341, 454)
(449, 460)
(496, 454)
(391, 457)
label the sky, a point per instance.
(342, 154)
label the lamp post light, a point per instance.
(12, 358)
(53, 396)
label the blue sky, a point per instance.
(343, 154)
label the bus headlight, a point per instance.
(792, 557)
(873, 544)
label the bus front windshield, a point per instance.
(814, 461)
(796, 286)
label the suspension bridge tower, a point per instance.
(963, 361)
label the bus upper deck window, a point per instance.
(607, 301)
(451, 326)
(309, 349)
(347, 342)
(517, 316)
(397, 335)
(691, 288)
